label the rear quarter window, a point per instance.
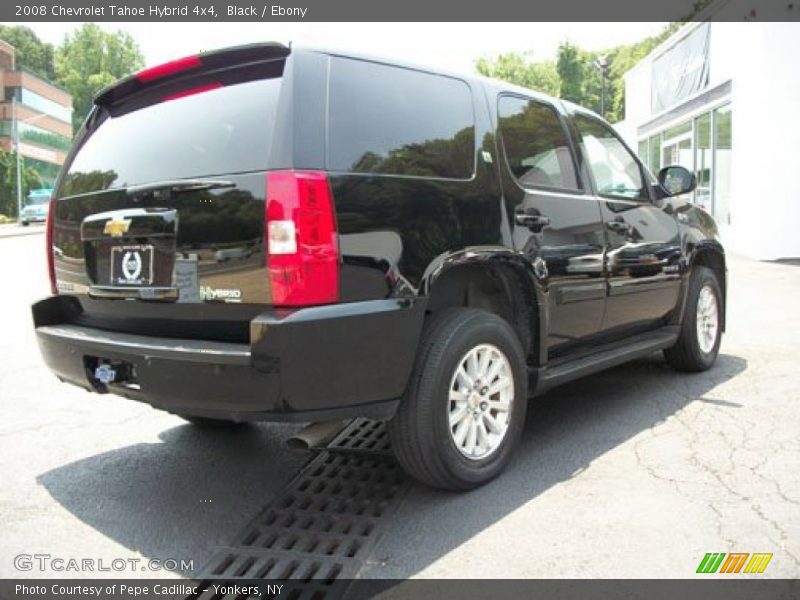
(535, 143)
(396, 121)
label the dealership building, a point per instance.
(41, 111)
(722, 100)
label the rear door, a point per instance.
(643, 250)
(556, 223)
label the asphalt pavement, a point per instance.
(635, 472)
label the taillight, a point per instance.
(48, 240)
(302, 244)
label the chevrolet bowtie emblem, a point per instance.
(116, 227)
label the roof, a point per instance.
(495, 85)
(124, 85)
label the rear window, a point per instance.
(396, 121)
(213, 132)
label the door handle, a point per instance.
(532, 220)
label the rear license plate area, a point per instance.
(131, 265)
(136, 254)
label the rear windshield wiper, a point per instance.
(178, 185)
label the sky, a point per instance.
(453, 46)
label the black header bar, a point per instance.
(404, 10)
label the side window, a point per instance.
(535, 144)
(616, 172)
(395, 121)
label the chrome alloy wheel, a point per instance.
(481, 395)
(707, 320)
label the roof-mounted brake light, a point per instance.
(192, 91)
(175, 66)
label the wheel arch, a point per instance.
(493, 279)
(710, 254)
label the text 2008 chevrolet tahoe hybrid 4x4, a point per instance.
(275, 233)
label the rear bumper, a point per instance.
(310, 364)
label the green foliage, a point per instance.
(520, 70)
(571, 70)
(31, 53)
(90, 59)
(90, 181)
(86, 61)
(431, 158)
(8, 182)
(573, 75)
(623, 59)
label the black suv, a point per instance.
(276, 233)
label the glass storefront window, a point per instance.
(704, 163)
(677, 147)
(654, 153)
(678, 152)
(703, 144)
(642, 152)
(723, 146)
(678, 130)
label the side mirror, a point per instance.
(677, 180)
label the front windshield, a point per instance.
(37, 200)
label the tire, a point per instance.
(24, 223)
(422, 439)
(206, 423)
(692, 352)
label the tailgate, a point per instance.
(193, 246)
(159, 218)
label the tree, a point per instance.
(521, 70)
(31, 52)
(571, 70)
(8, 182)
(573, 75)
(624, 59)
(90, 59)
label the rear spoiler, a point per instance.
(196, 64)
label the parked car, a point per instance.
(226, 254)
(437, 249)
(35, 209)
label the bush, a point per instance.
(4, 219)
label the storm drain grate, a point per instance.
(363, 435)
(318, 532)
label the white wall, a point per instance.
(765, 202)
(627, 131)
(761, 61)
